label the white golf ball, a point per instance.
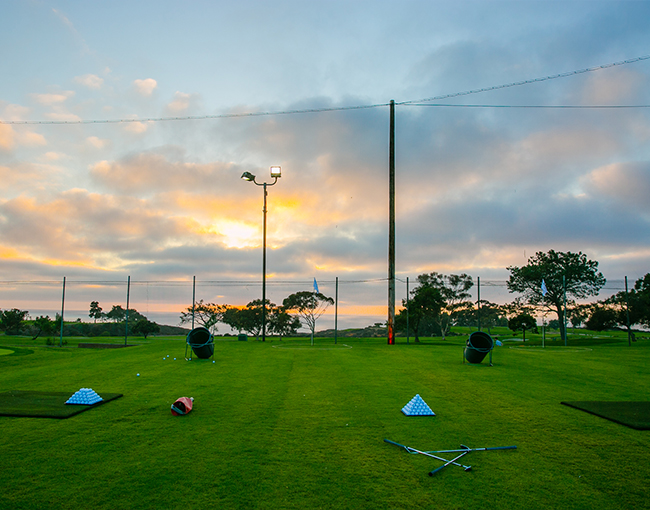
(138, 375)
(212, 361)
(174, 359)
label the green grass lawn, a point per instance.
(280, 425)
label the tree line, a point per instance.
(281, 320)
(550, 282)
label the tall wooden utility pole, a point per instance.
(391, 229)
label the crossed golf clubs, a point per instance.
(464, 450)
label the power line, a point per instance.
(580, 107)
(528, 82)
(193, 117)
(357, 107)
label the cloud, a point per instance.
(625, 183)
(90, 81)
(53, 156)
(149, 171)
(30, 139)
(55, 98)
(96, 142)
(7, 137)
(145, 87)
(180, 103)
(136, 127)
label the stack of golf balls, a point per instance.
(85, 396)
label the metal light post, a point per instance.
(276, 172)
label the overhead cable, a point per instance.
(346, 108)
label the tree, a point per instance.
(43, 324)
(145, 327)
(578, 314)
(308, 305)
(640, 301)
(563, 274)
(206, 314)
(281, 322)
(424, 304)
(95, 311)
(453, 289)
(637, 301)
(602, 317)
(523, 322)
(247, 318)
(492, 315)
(117, 313)
(11, 321)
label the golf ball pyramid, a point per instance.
(417, 407)
(85, 396)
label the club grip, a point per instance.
(393, 442)
(502, 448)
(431, 473)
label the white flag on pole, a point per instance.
(315, 286)
(544, 289)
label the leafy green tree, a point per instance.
(602, 318)
(637, 301)
(523, 322)
(43, 325)
(309, 306)
(145, 327)
(454, 291)
(95, 311)
(563, 273)
(205, 314)
(117, 314)
(282, 323)
(640, 301)
(492, 315)
(423, 306)
(578, 314)
(248, 318)
(11, 321)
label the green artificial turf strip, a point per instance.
(304, 428)
(45, 404)
(631, 414)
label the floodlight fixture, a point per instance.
(276, 171)
(247, 176)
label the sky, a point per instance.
(97, 184)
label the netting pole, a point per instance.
(336, 311)
(408, 330)
(391, 229)
(478, 302)
(193, 298)
(128, 292)
(62, 309)
(627, 312)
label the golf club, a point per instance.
(431, 473)
(413, 450)
(468, 449)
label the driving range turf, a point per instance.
(283, 425)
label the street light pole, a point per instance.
(247, 176)
(264, 268)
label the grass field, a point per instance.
(284, 425)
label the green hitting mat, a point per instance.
(45, 404)
(635, 415)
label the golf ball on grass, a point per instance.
(137, 375)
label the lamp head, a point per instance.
(276, 171)
(247, 176)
